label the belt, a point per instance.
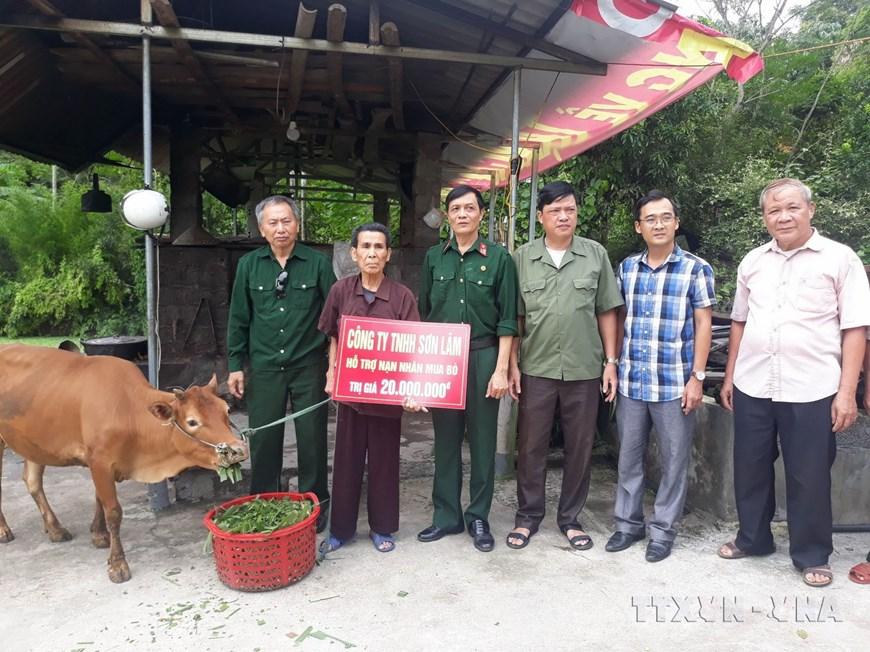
(482, 342)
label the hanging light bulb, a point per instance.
(293, 132)
(144, 209)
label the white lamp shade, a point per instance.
(144, 209)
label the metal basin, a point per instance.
(129, 347)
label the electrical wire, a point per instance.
(446, 128)
(818, 47)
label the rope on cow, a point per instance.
(247, 432)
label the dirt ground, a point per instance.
(437, 596)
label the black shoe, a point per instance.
(433, 533)
(658, 550)
(322, 520)
(478, 529)
(621, 540)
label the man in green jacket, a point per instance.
(472, 281)
(278, 293)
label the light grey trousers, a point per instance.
(674, 430)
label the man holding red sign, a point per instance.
(472, 281)
(364, 429)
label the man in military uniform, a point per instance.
(473, 281)
(277, 297)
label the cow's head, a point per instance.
(201, 426)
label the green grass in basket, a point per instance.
(261, 516)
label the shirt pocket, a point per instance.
(442, 284)
(816, 294)
(533, 294)
(301, 293)
(262, 298)
(583, 296)
(480, 284)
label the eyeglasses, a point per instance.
(664, 219)
(281, 285)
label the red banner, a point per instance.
(384, 361)
(654, 57)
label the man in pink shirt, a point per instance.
(860, 573)
(796, 348)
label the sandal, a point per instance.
(383, 542)
(523, 538)
(860, 573)
(731, 551)
(330, 544)
(578, 541)
(824, 571)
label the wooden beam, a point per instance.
(46, 8)
(166, 15)
(374, 22)
(304, 29)
(132, 30)
(390, 38)
(335, 22)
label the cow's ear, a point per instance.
(213, 384)
(161, 410)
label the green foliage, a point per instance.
(807, 116)
(328, 220)
(65, 271)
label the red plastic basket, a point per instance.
(262, 562)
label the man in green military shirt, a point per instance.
(568, 344)
(278, 293)
(473, 281)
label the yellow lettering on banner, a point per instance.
(693, 46)
(677, 77)
(554, 147)
(617, 113)
(554, 139)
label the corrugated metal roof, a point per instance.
(450, 91)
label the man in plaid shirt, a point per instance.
(667, 324)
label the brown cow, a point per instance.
(59, 408)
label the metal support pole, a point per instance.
(493, 191)
(158, 493)
(533, 195)
(300, 201)
(515, 161)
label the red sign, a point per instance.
(654, 57)
(386, 360)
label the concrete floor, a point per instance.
(438, 596)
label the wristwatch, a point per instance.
(613, 361)
(700, 375)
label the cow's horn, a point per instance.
(179, 393)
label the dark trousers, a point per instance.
(808, 452)
(266, 394)
(356, 436)
(578, 410)
(480, 420)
